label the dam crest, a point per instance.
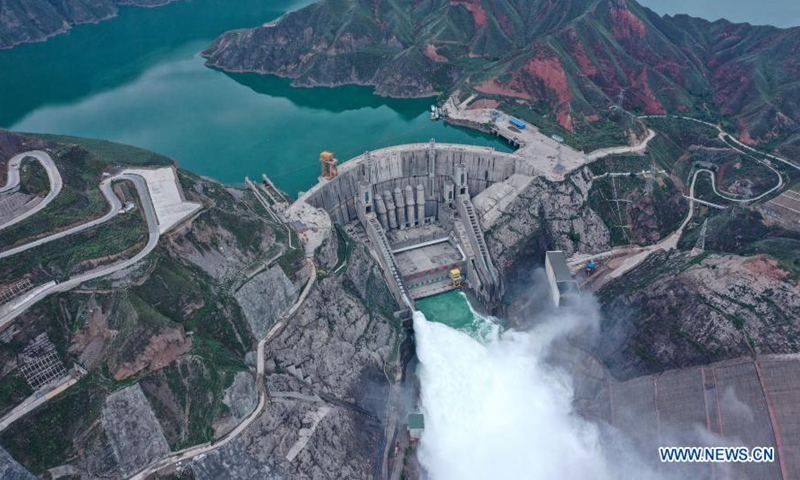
(423, 208)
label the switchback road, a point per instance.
(12, 182)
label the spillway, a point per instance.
(494, 409)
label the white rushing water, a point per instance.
(494, 410)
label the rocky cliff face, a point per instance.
(12, 470)
(545, 216)
(169, 348)
(27, 21)
(326, 382)
(566, 62)
(133, 431)
(739, 298)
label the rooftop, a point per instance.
(558, 262)
(416, 420)
(422, 259)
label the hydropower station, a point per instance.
(415, 204)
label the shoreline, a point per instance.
(68, 25)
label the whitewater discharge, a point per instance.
(494, 410)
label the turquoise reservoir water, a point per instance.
(138, 79)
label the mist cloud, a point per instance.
(495, 410)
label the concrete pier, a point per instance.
(380, 207)
(420, 204)
(391, 209)
(411, 207)
(400, 203)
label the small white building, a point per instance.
(564, 289)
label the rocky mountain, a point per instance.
(740, 297)
(169, 343)
(563, 61)
(26, 21)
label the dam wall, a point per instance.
(406, 193)
(433, 165)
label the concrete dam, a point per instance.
(422, 206)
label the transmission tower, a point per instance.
(700, 246)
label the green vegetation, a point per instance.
(742, 232)
(81, 163)
(196, 384)
(33, 179)
(344, 247)
(785, 250)
(43, 438)
(13, 390)
(639, 217)
(106, 152)
(292, 261)
(185, 294)
(620, 164)
(65, 257)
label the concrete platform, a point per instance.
(410, 236)
(165, 190)
(552, 158)
(430, 290)
(491, 203)
(422, 260)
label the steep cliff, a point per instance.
(26, 21)
(328, 385)
(545, 216)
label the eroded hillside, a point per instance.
(559, 63)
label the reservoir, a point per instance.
(139, 79)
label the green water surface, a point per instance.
(138, 79)
(453, 309)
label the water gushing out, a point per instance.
(494, 409)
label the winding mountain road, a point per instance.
(638, 148)
(723, 134)
(113, 202)
(738, 200)
(153, 232)
(276, 329)
(13, 179)
(634, 255)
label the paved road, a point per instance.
(56, 183)
(192, 452)
(33, 402)
(635, 254)
(113, 202)
(723, 134)
(739, 200)
(152, 226)
(605, 152)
